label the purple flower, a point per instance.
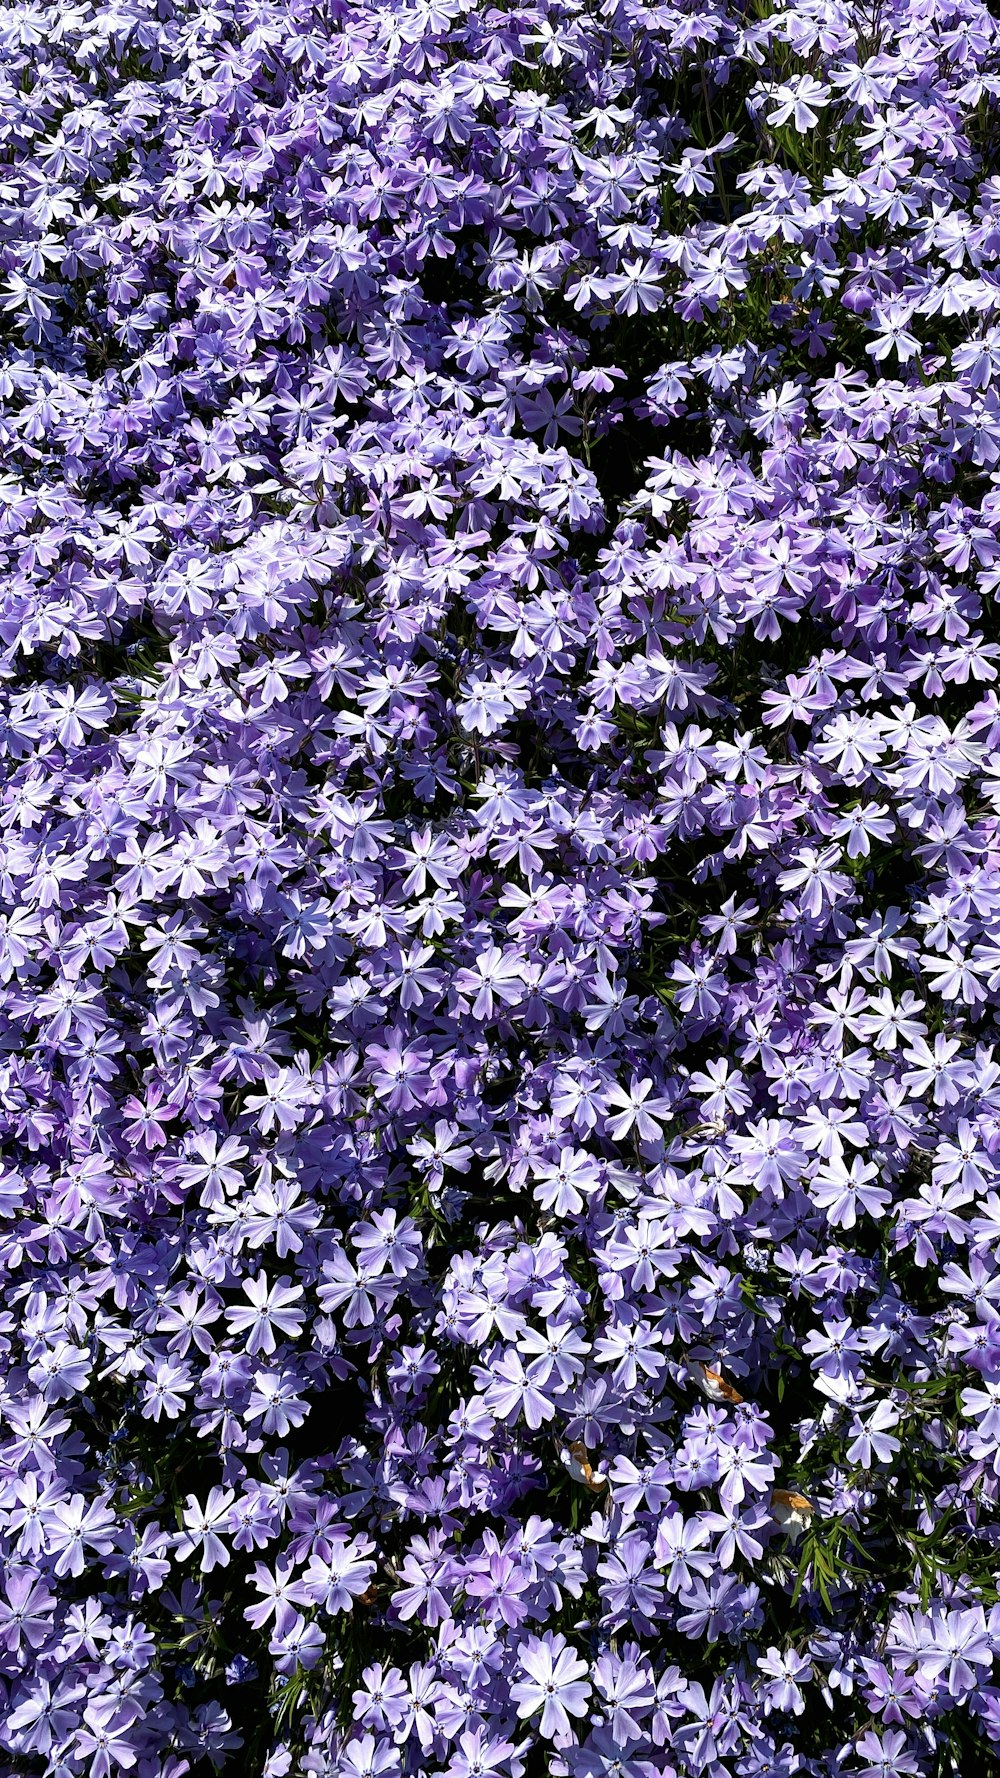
(369, 1757)
(271, 1309)
(296, 1644)
(782, 1669)
(202, 1528)
(554, 1684)
(885, 1754)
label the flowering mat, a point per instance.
(500, 875)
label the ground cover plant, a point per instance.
(499, 889)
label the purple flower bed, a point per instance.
(500, 875)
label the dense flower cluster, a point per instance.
(499, 888)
